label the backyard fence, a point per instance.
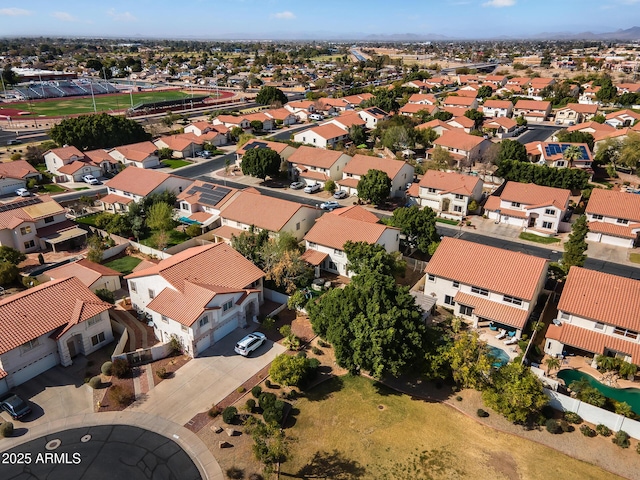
(124, 337)
(144, 355)
(415, 264)
(275, 296)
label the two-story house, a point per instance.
(462, 146)
(533, 111)
(327, 135)
(372, 116)
(614, 217)
(201, 203)
(598, 314)
(500, 127)
(68, 164)
(534, 208)
(49, 325)
(575, 113)
(199, 295)
(316, 165)
(15, 175)
(182, 145)
(141, 155)
(456, 101)
(400, 173)
(325, 241)
(214, 134)
(447, 193)
(231, 121)
(497, 108)
(485, 284)
(281, 116)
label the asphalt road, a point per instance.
(537, 133)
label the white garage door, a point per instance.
(225, 329)
(203, 344)
(35, 368)
(9, 187)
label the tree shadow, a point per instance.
(332, 465)
(415, 387)
(325, 389)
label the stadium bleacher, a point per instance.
(63, 88)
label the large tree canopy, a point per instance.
(525, 172)
(261, 163)
(90, 132)
(576, 246)
(374, 186)
(575, 137)
(418, 226)
(269, 95)
(512, 150)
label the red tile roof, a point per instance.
(334, 231)
(86, 271)
(16, 169)
(449, 182)
(459, 139)
(138, 181)
(615, 204)
(533, 105)
(65, 153)
(356, 212)
(602, 297)
(315, 157)
(457, 101)
(137, 151)
(54, 305)
(614, 229)
(589, 109)
(328, 131)
(506, 104)
(313, 257)
(497, 270)
(498, 312)
(361, 164)
(226, 232)
(626, 113)
(112, 198)
(412, 108)
(531, 195)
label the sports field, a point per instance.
(104, 103)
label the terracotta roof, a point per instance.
(86, 271)
(99, 156)
(532, 105)
(112, 198)
(626, 112)
(421, 97)
(277, 147)
(14, 215)
(216, 265)
(335, 230)
(615, 204)
(435, 123)
(413, 108)
(262, 211)
(468, 93)
(73, 167)
(137, 152)
(226, 232)
(201, 125)
(138, 181)
(614, 229)
(504, 122)
(351, 182)
(260, 116)
(65, 153)
(506, 104)
(459, 139)
(455, 111)
(361, 164)
(357, 99)
(3, 373)
(374, 112)
(581, 108)
(531, 195)
(180, 141)
(313, 257)
(16, 169)
(230, 119)
(348, 119)
(592, 341)
(598, 127)
(356, 212)
(278, 113)
(449, 182)
(498, 312)
(463, 121)
(458, 101)
(493, 204)
(602, 297)
(315, 157)
(327, 131)
(497, 270)
(54, 305)
(196, 197)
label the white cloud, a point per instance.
(284, 15)
(499, 3)
(14, 12)
(121, 16)
(64, 17)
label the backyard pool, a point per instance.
(628, 395)
(501, 357)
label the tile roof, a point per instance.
(497, 270)
(315, 157)
(277, 147)
(531, 195)
(202, 188)
(356, 212)
(86, 271)
(65, 153)
(504, 122)
(458, 101)
(463, 121)
(615, 204)
(348, 119)
(328, 131)
(137, 152)
(335, 230)
(421, 97)
(598, 127)
(626, 113)
(532, 105)
(58, 304)
(179, 141)
(138, 181)
(112, 198)
(459, 139)
(506, 104)
(216, 265)
(435, 123)
(262, 211)
(581, 108)
(226, 232)
(455, 111)
(16, 212)
(602, 297)
(498, 312)
(230, 119)
(313, 257)
(278, 113)
(73, 167)
(16, 169)
(614, 229)
(493, 204)
(412, 108)
(449, 182)
(361, 164)
(358, 98)
(99, 156)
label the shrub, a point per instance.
(121, 368)
(121, 395)
(482, 413)
(256, 391)
(564, 425)
(573, 417)
(95, 382)
(553, 426)
(603, 430)
(250, 405)
(587, 431)
(621, 439)
(106, 295)
(235, 473)
(267, 383)
(459, 398)
(229, 414)
(316, 351)
(162, 373)
(548, 411)
(323, 344)
(214, 411)
(241, 389)
(268, 323)
(6, 429)
(106, 368)
(275, 413)
(285, 330)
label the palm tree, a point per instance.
(572, 153)
(607, 363)
(628, 369)
(552, 363)
(623, 408)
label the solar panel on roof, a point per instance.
(23, 203)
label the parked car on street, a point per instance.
(297, 185)
(316, 187)
(23, 192)
(91, 180)
(340, 194)
(14, 406)
(250, 343)
(330, 205)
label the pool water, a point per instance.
(501, 357)
(628, 395)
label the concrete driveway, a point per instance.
(206, 380)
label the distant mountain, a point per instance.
(632, 33)
(405, 37)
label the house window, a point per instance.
(152, 294)
(93, 321)
(298, 226)
(448, 299)
(457, 208)
(203, 321)
(164, 319)
(515, 204)
(625, 333)
(480, 291)
(467, 311)
(184, 206)
(25, 230)
(313, 245)
(456, 284)
(227, 305)
(48, 220)
(184, 328)
(97, 339)
(431, 190)
(459, 197)
(560, 163)
(132, 286)
(599, 326)
(432, 277)
(338, 253)
(512, 300)
(622, 221)
(564, 316)
(29, 244)
(548, 225)
(597, 217)
(30, 345)
(333, 266)
(549, 211)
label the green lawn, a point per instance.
(634, 257)
(447, 221)
(104, 103)
(41, 167)
(532, 237)
(356, 428)
(124, 265)
(51, 188)
(175, 163)
(81, 188)
(88, 220)
(175, 238)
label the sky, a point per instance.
(312, 18)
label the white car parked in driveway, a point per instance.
(250, 343)
(316, 187)
(91, 180)
(23, 192)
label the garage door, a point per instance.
(4, 387)
(10, 187)
(225, 329)
(203, 344)
(35, 368)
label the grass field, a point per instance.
(52, 188)
(124, 265)
(175, 163)
(104, 103)
(351, 427)
(532, 237)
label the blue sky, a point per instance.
(220, 18)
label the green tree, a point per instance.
(426, 136)
(9, 76)
(552, 363)
(418, 226)
(599, 118)
(398, 137)
(572, 154)
(485, 91)
(249, 244)
(372, 257)
(270, 95)
(270, 444)
(243, 139)
(575, 248)
(512, 150)
(159, 217)
(193, 230)
(257, 125)
(566, 136)
(96, 249)
(442, 158)
(91, 132)
(469, 360)
(11, 255)
(607, 90)
(8, 273)
(330, 186)
(608, 152)
(476, 116)
(357, 135)
(165, 153)
(106, 295)
(291, 370)
(261, 163)
(630, 151)
(384, 99)
(374, 187)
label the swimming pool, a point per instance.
(628, 395)
(502, 357)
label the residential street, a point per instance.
(537, 133)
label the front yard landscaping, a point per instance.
(124, 265)
(51, 188)
(447, 221)
(175, 163)
(532, 237)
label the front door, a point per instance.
(532, 222)
(71, 345)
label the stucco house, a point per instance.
(93, 275)
(141, 155)
(201, 203)
(15, 175)
(316, 165)
(534, 111)
(447, 193)
(399, 171)
(614, 218)
(327, 135)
